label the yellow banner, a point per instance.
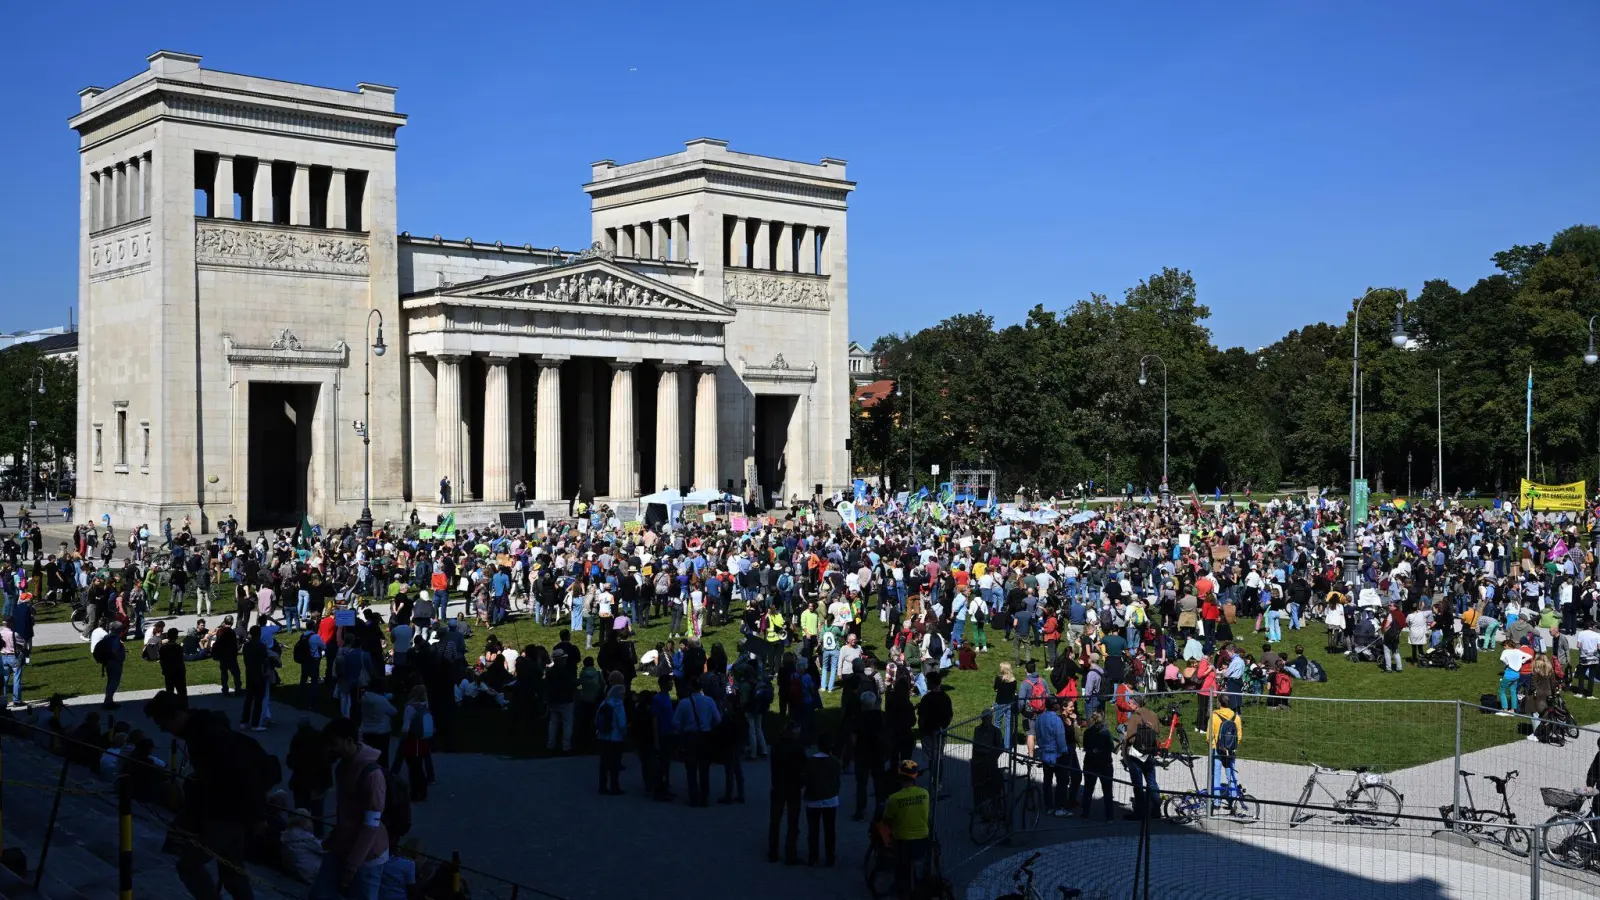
(1554, 497)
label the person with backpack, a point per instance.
(110, 654)
(225, 800)
(1139, 748)
(359, 844)
(1225, 732)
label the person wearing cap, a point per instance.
(906, 813)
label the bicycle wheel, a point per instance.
(1244, 807)
(1515, 840)
(986, 823)
(1296, 816)
(1565, 721)
(80, 619)
(878, 870)
(1180, 809)
(1375, 806)
(1566, 840)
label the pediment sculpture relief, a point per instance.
(597, 289)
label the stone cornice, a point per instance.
(286, 350)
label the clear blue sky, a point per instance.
(1289, 154)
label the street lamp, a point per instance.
(364, 427)
(1589, 359)
(33, 462)
(1142, 381)
(1399, 338)
(911, 436)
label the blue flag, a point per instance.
(1530, 399)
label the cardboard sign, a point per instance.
(708, 517)
(345, 618)
(634, 527)
(1185, 539)
(965, 543)
(739, 523)
(1002, 532)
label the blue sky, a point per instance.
(1289, 154)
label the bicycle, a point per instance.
(1370, 801)
(1559, 720)
(1184, 807)
(1487, 824)
(992, 819)
(1570, 841)
(1023, 879)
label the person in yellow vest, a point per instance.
(774, 634)
(1225, 734)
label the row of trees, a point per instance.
(1055, 400)
(22, 368)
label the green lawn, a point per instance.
(1392, 735)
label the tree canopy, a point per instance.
(1055, 399)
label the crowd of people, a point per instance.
(1092, 609)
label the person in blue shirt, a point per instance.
(661, 711)
(1050, 740)
(499, 589)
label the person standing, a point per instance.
(1097, 763)
(256, 673)
(11, 659)
(310, 772)
(225, 650)
(611, 730)
(1050, 738)
(871, 750)
(109, 653)
(173, 671)
(377, 722)
(359, 845)
(822, 801)
(695, 719)
(1225, 733)
(788, 787)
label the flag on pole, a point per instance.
(1530, 399)
(447, 528)
(306, 533)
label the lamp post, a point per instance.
(1589, 359)
(1142, 380)
(911, 435)
(1398, 337)
(364, 427)
(33, 423)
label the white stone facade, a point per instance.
(240, 249)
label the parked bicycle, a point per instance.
(1569, 839)
(1479, 825)
(1370, 801)
(1183, 807)
(996, 816)
(1023, 879)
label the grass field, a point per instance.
(1393, 734)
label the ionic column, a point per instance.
(624, 478)
(680, 238)
(761, 256)
(338, 217)
(261, 198)
(705, 429)
(785, 247)
(447, 406)
(808, 249)
(222, 189)
(497, 430)
(668, 434)
(300, 196)
(547, 430)
(736, 244)
(659, 242)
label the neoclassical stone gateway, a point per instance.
(238, 232)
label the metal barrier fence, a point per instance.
(1420, 818)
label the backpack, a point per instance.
(1145, 739)
(1282, 684)
(978, 618)
(1315, 671)
(830, 639)
(396, 816)
(935, 647)
(762, 697)
(1036, 697)
(104, 651)
(302, 649)
(1228, 735)
(604, 717)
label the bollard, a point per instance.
(124, 840)
(455, 875)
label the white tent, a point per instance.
(708, 496)
(662, 506)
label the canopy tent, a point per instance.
(663, 509)
(707, 496)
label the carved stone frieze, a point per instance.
(754, 288)
(592, 289)
(253, 246)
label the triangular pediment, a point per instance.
(593, 282)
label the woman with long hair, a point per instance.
(416, 742)
(1005, 701)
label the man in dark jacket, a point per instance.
(934, 714)
(256, 673)
(224, 800)
(173, 673)
(788, 785)
(870, 747)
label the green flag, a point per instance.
(447, 528)
(305, 529)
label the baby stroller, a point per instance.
(1438, 658)
(1367, 641)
